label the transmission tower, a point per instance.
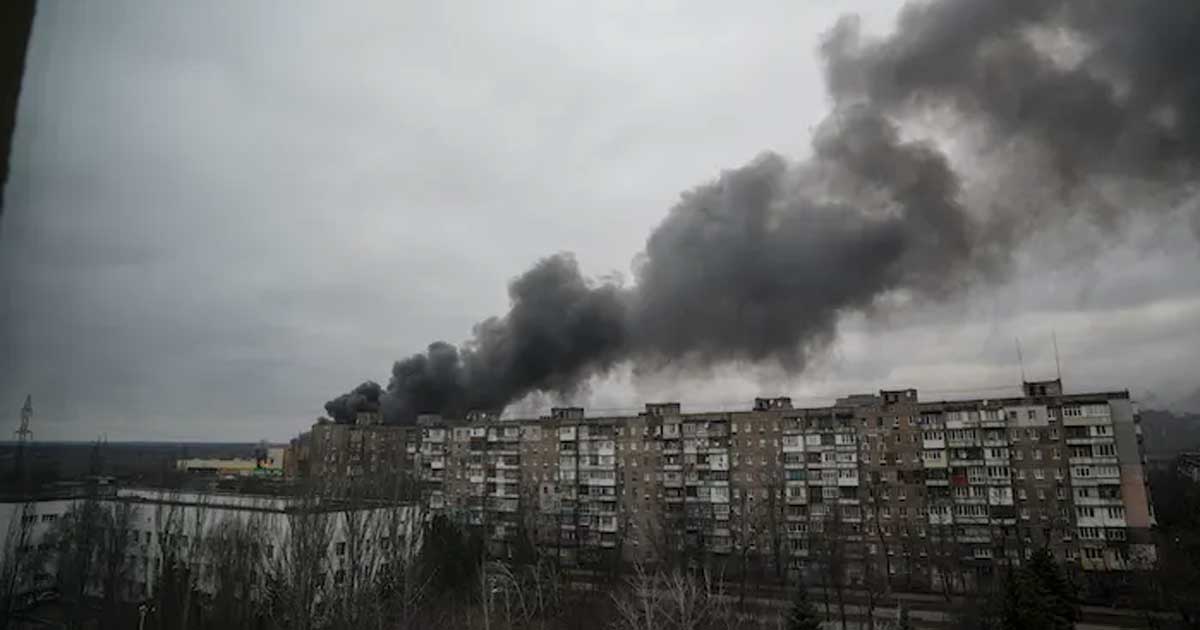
(24, 435)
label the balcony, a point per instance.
(1091, 439)
(1084, 421)
(1107, 460)
(1099, 501)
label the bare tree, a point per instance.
(77, 539)
(519, 596)
(402, 583)
(676, 600)
(116, 540)
(298, 582)
(191, 553)
(235, 554)
(17, 562)
(745, 538)
(945, 556)
(168, 578)
(358, 568)
(828, 549)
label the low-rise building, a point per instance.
(268, 461)
(162, 523)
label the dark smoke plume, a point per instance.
(365, 397)
(760, 264)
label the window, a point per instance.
(1031, 414)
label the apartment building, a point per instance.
(927, 492)
(365, 448)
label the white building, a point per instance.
(162, 522)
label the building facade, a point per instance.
(366, 448)
(161, 523)
(928, 492)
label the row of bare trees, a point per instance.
(324, 558)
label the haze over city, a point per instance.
(221, 216)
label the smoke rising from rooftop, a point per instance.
(760, 264)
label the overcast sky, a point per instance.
(222, 214)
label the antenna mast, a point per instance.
(1020, 360)
(1057, 364)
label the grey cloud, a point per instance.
(220, 212)
(763, 263)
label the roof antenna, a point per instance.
(1020, 361)
(1057, 365)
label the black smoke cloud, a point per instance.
(760, 264)
(365, 397)
(1103, 97)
